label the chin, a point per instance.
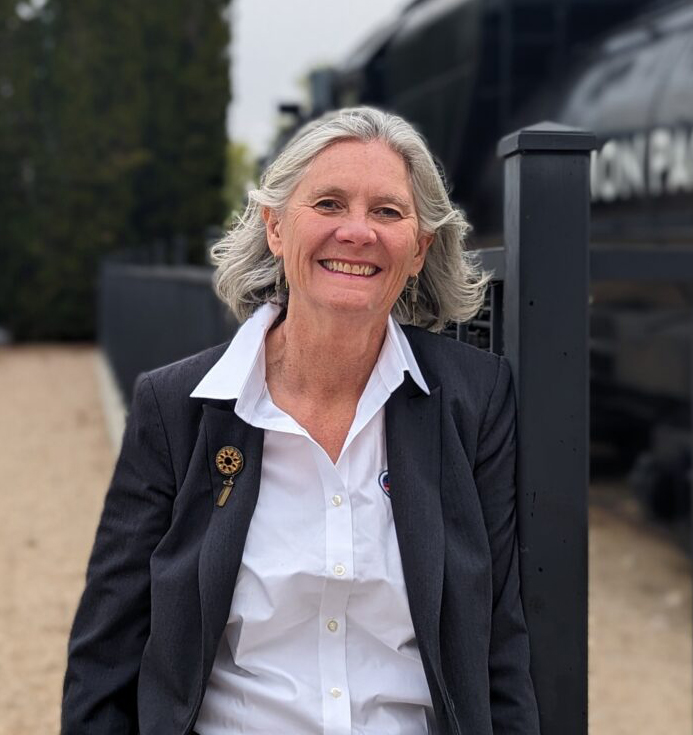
(353, 304)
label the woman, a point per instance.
(311, 529)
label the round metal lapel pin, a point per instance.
(229, 462)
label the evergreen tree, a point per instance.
(23, 68)
(179, 190)
(112, 134)
(97, 98)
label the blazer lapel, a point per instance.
(412, 427)
(222, 547)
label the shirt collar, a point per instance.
(228, 377)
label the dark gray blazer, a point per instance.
(164, 564)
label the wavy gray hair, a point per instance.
(451, 283)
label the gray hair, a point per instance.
(451, 284)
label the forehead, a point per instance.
(353, 163)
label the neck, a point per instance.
(327, 356)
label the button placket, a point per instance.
(339, 556)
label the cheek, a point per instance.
(303, 237)
(406, 251)
(302, 240)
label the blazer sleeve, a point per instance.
(111, 625)
(513, 703)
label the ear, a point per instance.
(272, 229)
(422, 245)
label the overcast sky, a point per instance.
(275, 42)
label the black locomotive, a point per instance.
(467, 72)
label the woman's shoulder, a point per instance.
(443, 354)
(467, 374)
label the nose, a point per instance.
(355, 229)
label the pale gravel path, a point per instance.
(55, 463)
(640, 623)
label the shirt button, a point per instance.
(336, 500)
(332, 625)
(335, 692)
(339, 570)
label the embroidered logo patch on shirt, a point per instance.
(384, 482)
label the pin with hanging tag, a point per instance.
(229, 461)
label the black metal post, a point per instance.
(546, 340)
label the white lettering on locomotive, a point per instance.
(656, 163)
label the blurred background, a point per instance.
(129, 135)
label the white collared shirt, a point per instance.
(319, 637)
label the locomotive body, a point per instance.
(467, 72)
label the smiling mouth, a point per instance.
(352, 269)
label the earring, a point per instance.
(414, 289)
(278, 278)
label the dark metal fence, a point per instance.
(153, 315)
(545, 331)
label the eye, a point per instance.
(328, 205)
(387, 212)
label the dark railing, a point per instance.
(546, 340)
(153, 315)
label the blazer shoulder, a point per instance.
(446, 359)
(178, 379)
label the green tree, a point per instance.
(97, 101)
(23, 69)
(179, 190)
(112, 134)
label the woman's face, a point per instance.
(349, 236)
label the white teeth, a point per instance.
(352, 268)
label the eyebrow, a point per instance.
(388, 198)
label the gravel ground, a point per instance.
(55, 463)
(640, 678)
